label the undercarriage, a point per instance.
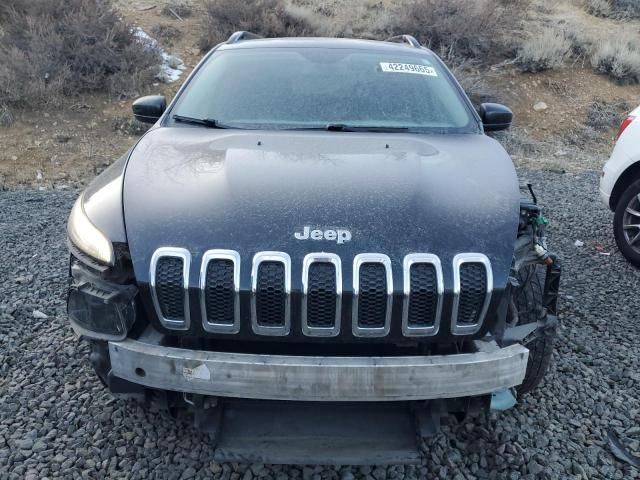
(327, 410)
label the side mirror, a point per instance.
(149, 109)
(495, 116)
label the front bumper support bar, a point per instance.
(314, 378)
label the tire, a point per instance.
(527, 299)
(629, 199)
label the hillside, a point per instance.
(61, 145)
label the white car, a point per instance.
(620, 187)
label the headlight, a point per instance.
(98, 308)
(86, 237)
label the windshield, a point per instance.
(317, 87)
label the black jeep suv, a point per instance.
(316, 251)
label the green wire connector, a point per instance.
(541, 220)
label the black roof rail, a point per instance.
(242, 35)
(408, 39)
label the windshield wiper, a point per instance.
(332, 127)
(341, 127)
(206, 122)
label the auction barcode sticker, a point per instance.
(408, 68)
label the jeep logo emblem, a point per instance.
(338, 235)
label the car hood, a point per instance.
(251, 191)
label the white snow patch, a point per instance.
(171, 67)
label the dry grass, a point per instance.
(177, 9)
(465, 29)
(598, 8)
(6, 117)
(626, 8)
(54, 49)
(618, 9)
(470, 28)
(603, 115)
(166, 34)
(517, 142)
(269, 18)
(476, 87)
(127, 125)
(545, 50)
(619, 57)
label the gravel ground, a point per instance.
(56, 420)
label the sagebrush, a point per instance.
(619, 57)
(165, 33)
(177, 8)
(518, 143)
(545, 50)
(598, 8)
(619, 9)
(49, 50)
(626, 8)
(603, 115)
(476, 87)
(269, 18)
(469, 28)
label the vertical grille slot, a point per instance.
(219, 292)
(322, 294)
(473, 284)
(271, 288)
(372, 290)
(372, 308)
(170, 288)
(219, 286)
(321, 300)
(270, 295)
(423, 291)
(169, 281)
(423, 298)
(473, 288)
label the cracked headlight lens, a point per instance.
(86, 237)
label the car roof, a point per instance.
(324, 42)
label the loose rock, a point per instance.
(540, 106)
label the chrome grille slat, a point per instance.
(166, 299)
(422, 307)
(219, 291)
(472, 289)
(321, 307)
(322, 295)
(271, 293)
(371, 296)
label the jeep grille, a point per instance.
(321, 303)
